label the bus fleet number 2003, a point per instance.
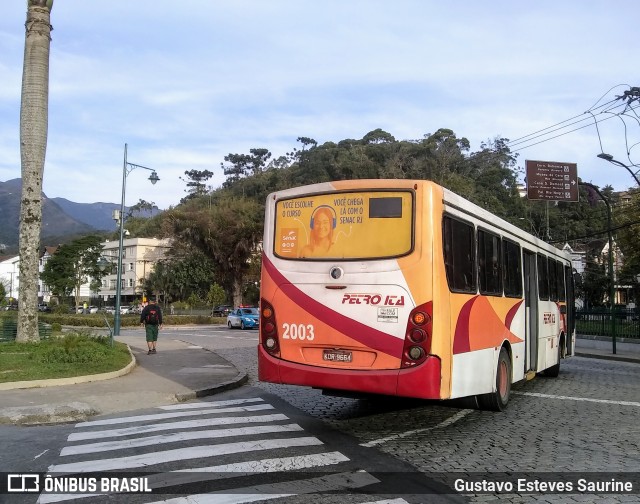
(298, 331)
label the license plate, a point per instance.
(337, 356)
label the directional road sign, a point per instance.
(552, 181)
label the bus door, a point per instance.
(531, 311)
(571, 308)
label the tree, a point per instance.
(142, 207)
(243, 165)
(3, 294)
(216, 295)
(34, 117)
(228, 232)
(196, 183)
(73, 265)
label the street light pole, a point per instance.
(609, 157)
(611, 275)
(127, 168)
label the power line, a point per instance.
(533, 136)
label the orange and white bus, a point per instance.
(401, 287)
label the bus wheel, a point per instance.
(554, 371)
(497, 401)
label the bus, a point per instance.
(403, 288)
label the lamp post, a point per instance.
(611, 275)
(103, 264)
(609, 157)
(127, 168)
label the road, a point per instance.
(585, 421)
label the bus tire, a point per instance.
(554, 371)
(497, 401)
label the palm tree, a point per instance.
(33, 146)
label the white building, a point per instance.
(9, 277)
(139, 256)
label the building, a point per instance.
(139, 256)
(9, 277)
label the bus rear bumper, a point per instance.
(422, 382)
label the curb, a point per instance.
(236, 382)
(607, 357)
(80, 412)
(72, 380)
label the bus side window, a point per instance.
(562, 293)
(459, 255)
(512, 268)
(543, 278)
(553, 280)
(489, 263)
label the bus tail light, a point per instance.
(417, 340)
(268, 329)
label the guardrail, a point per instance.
(9, 329)
(597, 322)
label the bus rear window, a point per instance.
(353, 225)
(381, 208)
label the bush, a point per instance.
(73, 348)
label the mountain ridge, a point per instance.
(60, 217)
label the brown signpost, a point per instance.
(552, 181)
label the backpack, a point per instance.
(152, 316)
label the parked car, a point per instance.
(43, 307)
(244, 318)
(110, 310)
(126, 310)
(221, 310)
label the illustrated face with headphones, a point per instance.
(323, 221)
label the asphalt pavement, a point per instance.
(178, 372)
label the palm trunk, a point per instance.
(33, 144)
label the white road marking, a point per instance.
(275, 464)
(186, 476)
(40, 454)
(185, 424)
(445, 423)
(584, 399)
(193, 452)
(177, 437)
(323, 484)
(215, 404)
(163, 416)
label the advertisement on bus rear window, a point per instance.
(355, 225)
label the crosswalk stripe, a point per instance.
(331, 483)
(184, 424)
(177, 414)
(176, 437)
(196, 405)
(387, 501)
(274, 464)
(194, 452)
(186, 476)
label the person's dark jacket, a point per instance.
(147, 309)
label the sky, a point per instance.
(185, 83)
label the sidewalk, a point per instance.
(603, 349)
(178, 372)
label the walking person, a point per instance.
(151, 319)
